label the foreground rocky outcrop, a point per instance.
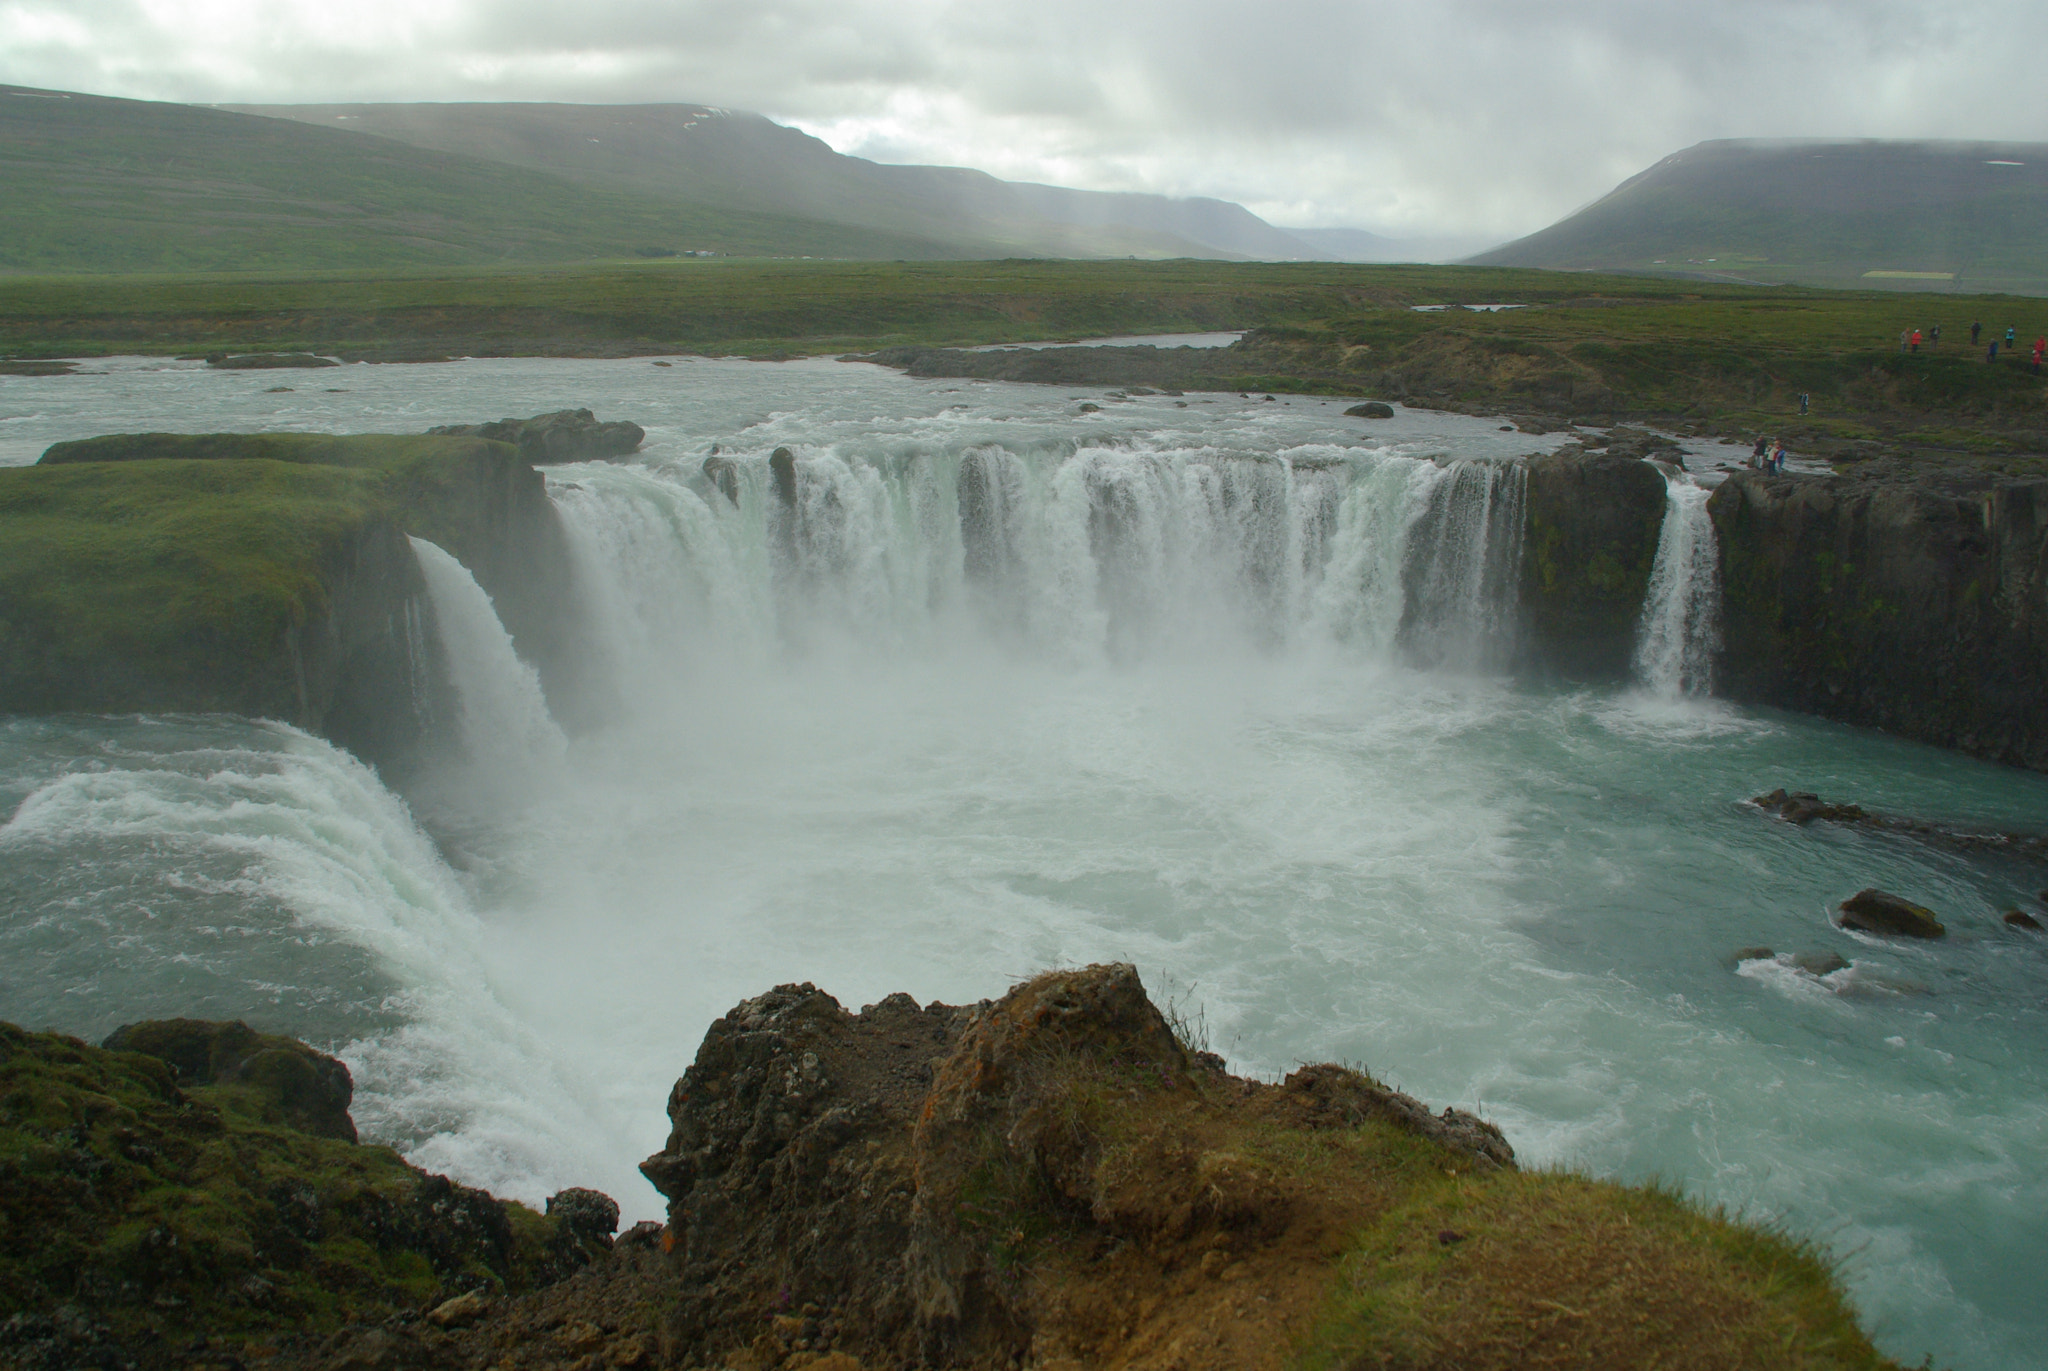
(1908, 598)
(270, 575)
(1055, 1179)
(192, 1193)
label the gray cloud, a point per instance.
(1482, 117)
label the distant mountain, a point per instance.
(702, 155)
(1941, 215)
(100, 184)
(1356, 245)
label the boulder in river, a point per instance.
(1371, 409)
(1876, 911)
(1803, 807)
(2019, 918)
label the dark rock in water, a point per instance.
(566, 435)
(293, 1085)
(1875, 911)
(2019, 918)
(1371, 409)
(1752, 954)
(1820, 963)
(1089, 409)
(590, 1214)
(22, 368)
(1803, 807)
(782, 465)
(264, 361)
(724, 477)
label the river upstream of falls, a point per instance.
(1215, 685)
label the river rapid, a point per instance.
(1213, 684)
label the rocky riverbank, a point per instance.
(1054, 1179)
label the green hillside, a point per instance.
(731, 159)
(99, 184)
(1920, 216)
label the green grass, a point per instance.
(169, 567)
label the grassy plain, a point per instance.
(1727, 357)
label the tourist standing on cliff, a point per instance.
(1916, 340)
(1804, 398)
(1975, 329)
(1991, 353)
(1756, 454)
(2008, 338)
(1934, 336)
(1778, 459)
(1904, 335)
(2040, 346)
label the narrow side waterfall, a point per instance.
(504, 722)
(1680, 629)
(1083, 553)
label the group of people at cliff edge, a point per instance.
(1767, 457)
(1911, 338)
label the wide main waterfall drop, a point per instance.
(1099, 553)
(1680, 629)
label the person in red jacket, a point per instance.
(2040, 346)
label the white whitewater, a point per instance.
(1680, 629)
(505, 725)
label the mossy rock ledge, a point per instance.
(269, 575)
(191, 1194)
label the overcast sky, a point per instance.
(1480, 118)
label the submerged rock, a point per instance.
(1875, 911)
(2019, 918)
(1803, 807)
(1371, 409)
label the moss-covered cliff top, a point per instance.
(163, 556)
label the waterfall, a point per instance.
(1083, 552)
(1680, 629)
(505, 727)
(1465, 567)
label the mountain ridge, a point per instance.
(1833, 212)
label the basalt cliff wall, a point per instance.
(1911, 600)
